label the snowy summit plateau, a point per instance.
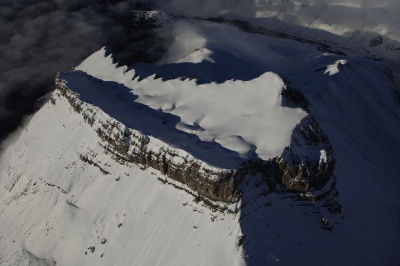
(265, 133)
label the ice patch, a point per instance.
(323, 157)
(334, 68)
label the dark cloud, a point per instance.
(40, 38)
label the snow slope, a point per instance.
(54, 206)
(370, 27)
(352, 98)
(357, 110)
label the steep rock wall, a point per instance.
(306, 164)
(127, 145)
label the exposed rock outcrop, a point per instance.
(306, 164)
(127, 145)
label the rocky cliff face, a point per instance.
(306, 164)
(126, 145)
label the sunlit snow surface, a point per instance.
(334, 68)
(54, 206)
(353, 103)
(243, 116)
(240, 115)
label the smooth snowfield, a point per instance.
(242, 116)
(54, 206)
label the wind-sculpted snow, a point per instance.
(242, 116)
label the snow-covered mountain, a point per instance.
(240, 147)
(368, 27)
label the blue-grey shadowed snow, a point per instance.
(226, 67)
(118, 102)
(356, 109)
(269, 51)
(40, 38)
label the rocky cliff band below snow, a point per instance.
(306, 164)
